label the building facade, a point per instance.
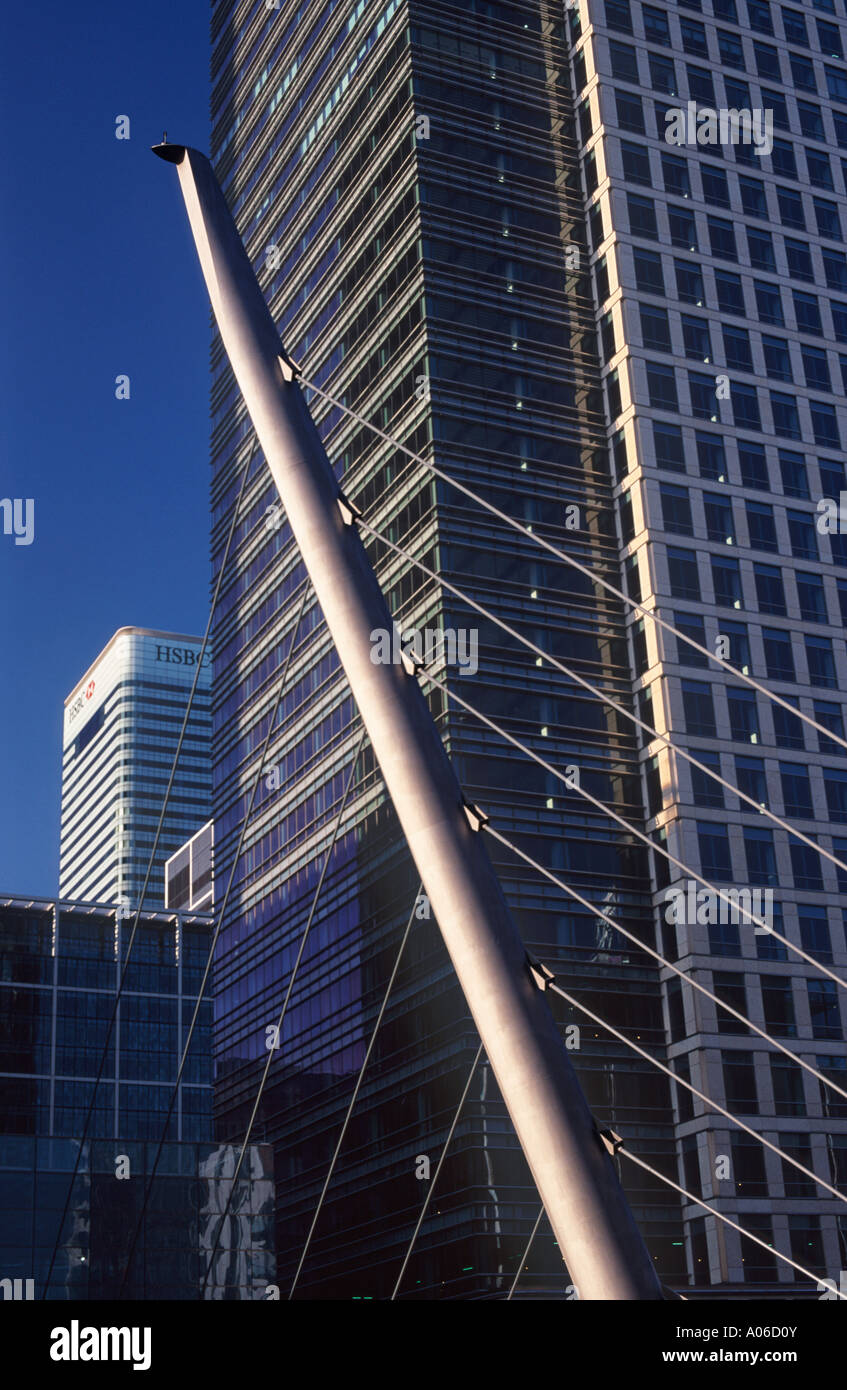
(122, 723)
(190, 873)
(406, 178)
(720, 275)
(60, 965)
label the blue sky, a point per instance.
(99, 277)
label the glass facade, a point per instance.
(723, 273)
(121, 728)
(406, 179)
(60, 964)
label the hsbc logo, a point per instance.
(182, 656)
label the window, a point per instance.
(694, 38)
(683, 227)
(595, 225)
(796, 791)
(835, 269)
(821, 661)
(802, 72)
(815, 367)
(761, 856)
(624, 62)
(676, 509)
(613, 393)
(759, 15)
(675, 175)
(787, 1079)
(801, 530)
(769, 590)
(662, 74)
(823, 1006)
(704, 790)
(655, 332)
(618, 15)
(782, 158)
(725, 9)
(743, 715)
(630, 113)
(834, 1069)
(767, 61)
(689, 283)
(726, 581)
(601, 277)
(690, 625)
(819, 170)
(636, 162)
(701, 389)
(711, 458)
(825, 424)
(832, 476)
(667, 443)
(831, 716)
(728, 985)
(807, 312)
(642, 216)
(839, 320)
(795, 1183)
(836, 83)
(739, 645)
(715, 186)
(607, 336)
(753, 198)
(736, 342)
(769, 304)
(698, 709)
(715, 861)
(648, 271)
(656, 29)
(722, 239)
(811, 597)
(718, 511)
(737, 93)
(589, 169)
(700, 84)
(799, 259)
(754, 469)
(779, 655)
(795, 482)
(788, 729)
(695, 336)
(760, 526)
(767, 946)
(760, 248)
(750, 779)
(778, 1004)
(829, 37)
(748, 1162)
(811, 120)
(661, 387)
(786, 420)
(731, 50)
(814, 931)
(745, 406)
(682, 570)
(777, 358)
(791, 207)
(739, 1080)
(794, 25)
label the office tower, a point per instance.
(189, 874)
(721, 279)
(406, 180)
(60, 964)
(122, 723)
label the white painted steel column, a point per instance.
(598, 1238)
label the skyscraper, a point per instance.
(121, 727)
(721, 281)
(406, 179)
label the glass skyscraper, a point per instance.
(121, 726)
(406, 177)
